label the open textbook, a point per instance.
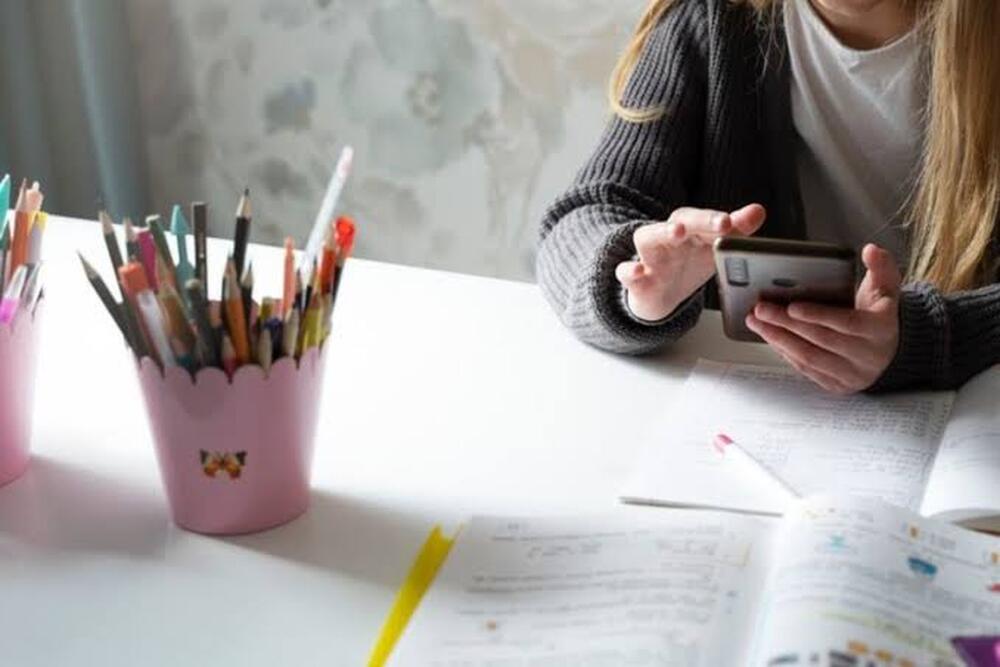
(937, 453)
(850, 582)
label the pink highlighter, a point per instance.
(12, 297)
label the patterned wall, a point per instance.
(468, 116)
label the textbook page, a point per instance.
(859, 582)
(818, 443)
(963, 484)
(676, 588)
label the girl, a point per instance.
(849, 121)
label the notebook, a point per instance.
(936, 453)
(834, 582)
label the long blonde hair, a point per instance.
(955, 205)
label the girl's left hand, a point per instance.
(842, 350)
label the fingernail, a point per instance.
(751, 322)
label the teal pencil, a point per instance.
(181, 230)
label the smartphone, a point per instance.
(751, 270)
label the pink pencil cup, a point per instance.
(18, 353)
(235, 456)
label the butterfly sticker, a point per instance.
(213, 463)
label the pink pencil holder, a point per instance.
(235, 456)
(18, 352)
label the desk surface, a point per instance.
(446, 396)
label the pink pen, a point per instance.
(738, 457)
(12, 296)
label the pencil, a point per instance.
(311, 324)
(290, 336)
(242, 235)
(288, 291)
(229, 360)
(265, 350)
(155, 226)
(164, 276)
(177, 323)
(199, 215)
(328, 263)
(33, 198)
(246, 292)
(156, 328)
(235, 318)
(111, 241)
(4, 248)
(133, 280)
(131, 241)
(104, 294)
(179, 227)
(183, 355)
(200, 313)
(22, 225)
(38, 221)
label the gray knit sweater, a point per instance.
(726, 140)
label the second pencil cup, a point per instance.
(18, 353)
(235, 456)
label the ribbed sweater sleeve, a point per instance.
(638, 174)
(944, 339)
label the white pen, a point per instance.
(327, 208)
(736, 456)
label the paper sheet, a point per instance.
(966, 473)
(878, 583)
(659, 591)
(817, 442)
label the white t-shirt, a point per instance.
(859, 117)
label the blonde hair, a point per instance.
(955, 205)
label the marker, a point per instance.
(147, 255)
(328, 206)
(738, 457)
(199, 213)
(242, 235)
(12, 295)
(179, 228)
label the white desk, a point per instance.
(447, 395)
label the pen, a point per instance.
(738, 457)
(328, 206)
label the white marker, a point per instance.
(326, 210)
(736, 456)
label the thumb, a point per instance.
(882, 280)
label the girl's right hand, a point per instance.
(675, 257)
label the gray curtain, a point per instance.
(68, 104)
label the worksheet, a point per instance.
(816, 442)
(855, 584)
(841, 582)
(615, 591)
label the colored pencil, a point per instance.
(200, 313)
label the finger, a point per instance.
(703, 223)
(628, 273)
(821, 336)
(883, 277)
(747, 220)
(822, 380)
(805, 353)
(849, 321)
